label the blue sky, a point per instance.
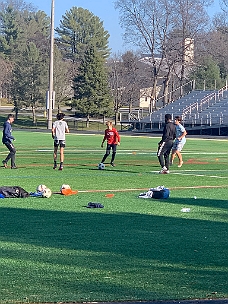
(104, 9)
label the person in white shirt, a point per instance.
(179, 141)
(59, 130)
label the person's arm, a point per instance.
(67, 130)
(117, 138)
(104, 139)
(182, 135)
(53, 132)
(7, 132)
(164, 135)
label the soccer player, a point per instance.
(7, 139)
(59, 130)
(166, 143)
(113, 139)
(179, 141)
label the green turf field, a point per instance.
(57, 250)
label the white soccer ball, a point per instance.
(46, 193)
(101, 166)
(64, 187)
(41, 188)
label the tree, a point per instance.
(9, 31)
(78, 29)
(207, 74)
(28, 83)
(24, 42)
(6, 69)
(63, 76)
(149, 24)
(91, 91)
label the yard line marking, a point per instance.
(201, 175)
(144, 189)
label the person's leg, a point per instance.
(55, 156)
(108, 149)
(173, 156)
(160, 155)
(113, 154)
(168, 148)
(61, 151)
(179, 155)
(11, 155)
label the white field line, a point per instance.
(131, 151)
(200, 175)
(188, 173)
(146, 189)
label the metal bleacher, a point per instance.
(197, 109)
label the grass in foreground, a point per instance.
(54, 250)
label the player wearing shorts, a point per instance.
(59, 130)
(113, 139)
(179, 141)
(166, 143)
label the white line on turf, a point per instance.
(201, 175)
(144, 189)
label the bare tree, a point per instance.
(162, 28)
(125, 80)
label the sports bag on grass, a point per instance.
(13, 192)
(159, 192)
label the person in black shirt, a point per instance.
(166, 143)
(7, 139)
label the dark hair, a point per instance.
(168, 117)
(10, 116)
(60, 116)
(178, 118)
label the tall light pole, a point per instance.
(50, 93)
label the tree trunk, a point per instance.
(116, 117)
(87, 121)
(33, 115)
(166, 89)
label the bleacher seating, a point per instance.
(196, 108)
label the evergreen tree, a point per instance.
(9, 31)
(78, 29)
(208, 74)
(91, 91)
(28, 83)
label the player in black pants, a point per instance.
(7, 140)
(166, 143)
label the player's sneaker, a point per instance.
(112, 164)
(55, 166)
(164, 170)
(14, 167)
(61, 168)
(4, 163)
(180, 164)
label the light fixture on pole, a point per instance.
(50, 92)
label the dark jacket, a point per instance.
(7, 130)
(169, 132)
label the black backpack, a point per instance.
(13, 192)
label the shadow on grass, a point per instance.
(213, 203)
(129, 234)
(121, 244)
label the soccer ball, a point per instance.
(101, 166)
(41, 188)
(46, 193)
(64, 187)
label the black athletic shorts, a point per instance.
(60, 143)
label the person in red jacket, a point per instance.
(113, 139)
